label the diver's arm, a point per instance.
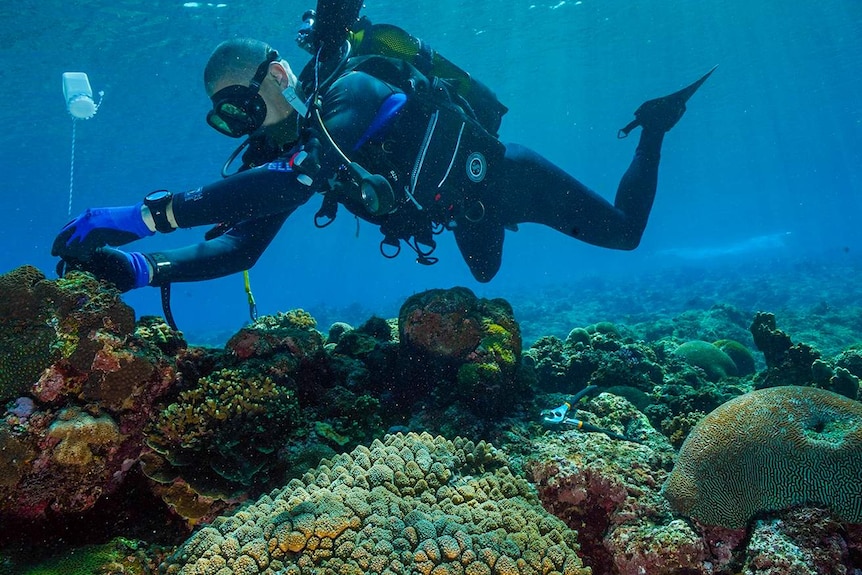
(236, 250)
(257, 193)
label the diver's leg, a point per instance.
(481, 245)
(532, 189)
(637, 188)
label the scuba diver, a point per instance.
(381, 124)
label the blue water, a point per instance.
(767, 162)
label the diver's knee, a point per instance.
(483, 276)
(483, 271)
(630, 243)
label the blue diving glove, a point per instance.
(126, 270)
(99, 227)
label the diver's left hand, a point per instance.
(99, 227)
(126, 270)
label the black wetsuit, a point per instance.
(520, 187)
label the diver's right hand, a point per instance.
(126, 270)
(99, 227)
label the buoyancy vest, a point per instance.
(391, 41)
(438, 149)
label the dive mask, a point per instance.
(240, 110)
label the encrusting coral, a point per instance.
(225, 408)
(769, 450)
(75, 411)
(409, 504)
(607, 489)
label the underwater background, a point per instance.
(761, 174)
(111, 441)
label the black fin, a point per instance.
(665, 111)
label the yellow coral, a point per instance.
(333, 523)
(199, 412)
(499, 341)
(79, 434)
(300, 319)
(295, 318)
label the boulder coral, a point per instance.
(769, 450)
(289, 335)
(710, 358)
(475, 343)
(409, 504)
(742, 357)
(44, 321)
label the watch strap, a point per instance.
(159, 212)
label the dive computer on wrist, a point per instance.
(158, 203)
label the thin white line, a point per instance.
(455, 153)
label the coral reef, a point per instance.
(228, 408)
(596, 355)
(117, 557)
(43, 322)
(801, 364)
(70, 441)
(221, 429)
(652, 375)
(710, 358)
(472, 344)
(121, 425)
(802, 541)
(154, 331)
(292, 332)
(717, 322)
(767, 450)
(412, 503)
(27, 335)
(786, 363)
(607, 490)
(244, 420)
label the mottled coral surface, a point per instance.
(410, 504)
(88, 401)
(607, 490)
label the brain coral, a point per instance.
(769, 450)
(410, 504)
